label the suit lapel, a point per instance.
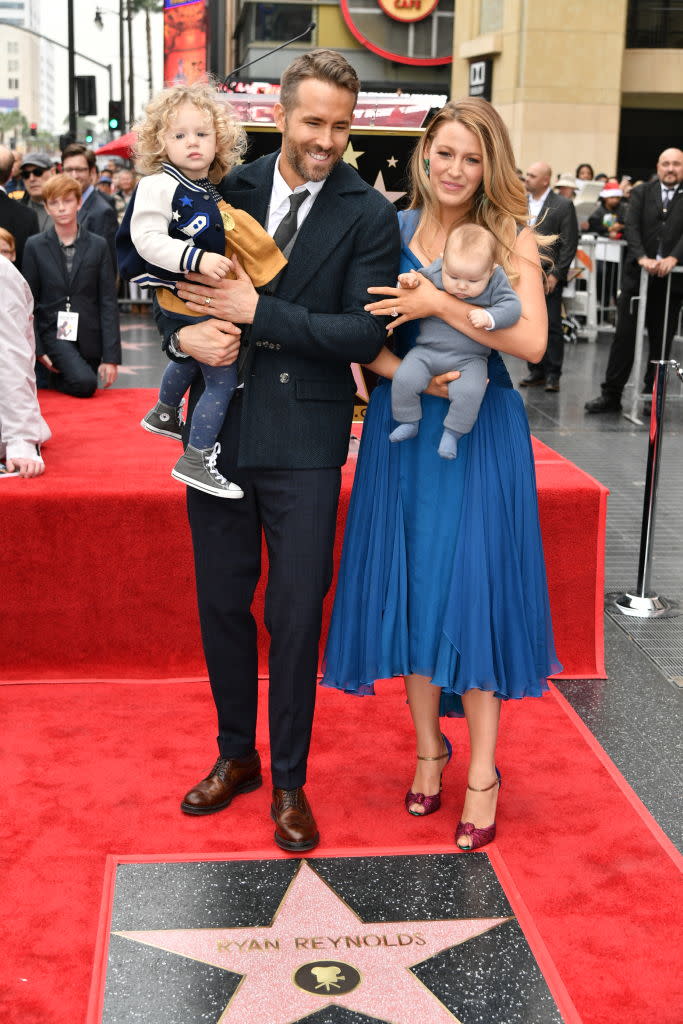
(58, 256)
(79, 252)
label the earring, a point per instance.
(426, 165)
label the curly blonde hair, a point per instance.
(149, 150)
(500, 204)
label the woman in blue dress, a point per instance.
(442, 577)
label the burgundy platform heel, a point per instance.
(478, 836)
(430, 803)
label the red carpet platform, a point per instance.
(98, 769)
(97, 564)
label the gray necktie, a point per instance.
(670, 193)
(287, 227)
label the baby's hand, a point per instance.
(479, 318)
(214, 265)
(410, 279)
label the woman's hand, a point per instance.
(438, 386)
(404, 304)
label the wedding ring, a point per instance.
(207, 300)
(394, 312)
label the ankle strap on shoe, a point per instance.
(475, 789)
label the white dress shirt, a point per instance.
(22, 428)
(536, 205)
(279, 200)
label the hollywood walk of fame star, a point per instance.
(381, 187)
(392, 161)
(351, 155)
(131, 370)
(316, 947)
(135, 346)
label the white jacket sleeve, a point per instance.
(22, 428)
(149, 223)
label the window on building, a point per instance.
(12, 65)
(13, 47)
(276, 23)
(654, 24)
(12, 83)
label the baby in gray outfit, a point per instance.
(468, 271)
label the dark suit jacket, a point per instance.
(91, 290)
(299, 389)
(558, 217)
(645, 221)
(98, 215)
(19, 220)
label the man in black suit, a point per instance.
(97, 212)
(654, 232)
(551, 214)
(16, 218)
(287, 431)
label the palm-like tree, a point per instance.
(11, 120)
(149, 7)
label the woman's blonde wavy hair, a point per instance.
(500, 204)
(149, 150)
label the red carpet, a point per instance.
(93, 769)
(84, 546)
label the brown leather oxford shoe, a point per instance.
(295, 827)
(227, 779)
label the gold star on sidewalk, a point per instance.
(351, 155)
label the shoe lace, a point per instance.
(211, 464)
(220, 769)
(292, 798)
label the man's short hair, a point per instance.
(6, 166)
(59, 186)
(323, 65)
(78, 149)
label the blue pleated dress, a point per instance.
(442, 570)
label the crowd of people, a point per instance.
(442, 579)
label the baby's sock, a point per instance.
(404, 431)
(448, 445)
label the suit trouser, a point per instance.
(77, 376)
(622, 352)
(297, 511)
(551, 364)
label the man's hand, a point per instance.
(551, 283)
(26, 467)
(438, 386)
(212, 342)
(107, 373)
(665, 266)
(229, 300)
(48, 364)
(648, 264)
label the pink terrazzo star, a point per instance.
(316, 947)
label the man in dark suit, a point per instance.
(97, 212)
(287, 431)
(654, 232)
(69, 272)
(16, 218)
(551, 214)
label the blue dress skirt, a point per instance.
(442, 570)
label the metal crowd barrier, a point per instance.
(595, 280)
(642, 346)
(645, 603)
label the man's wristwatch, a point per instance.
(174, 347)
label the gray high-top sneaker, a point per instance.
(197, 468)
(165, 420)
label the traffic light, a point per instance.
(115, 115)
(34, 128)
(88, 137)
(86, 94)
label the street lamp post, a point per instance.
(72, 69)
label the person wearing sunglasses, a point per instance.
(36, 169)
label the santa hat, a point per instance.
(612, 188)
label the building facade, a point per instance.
(26, 65)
